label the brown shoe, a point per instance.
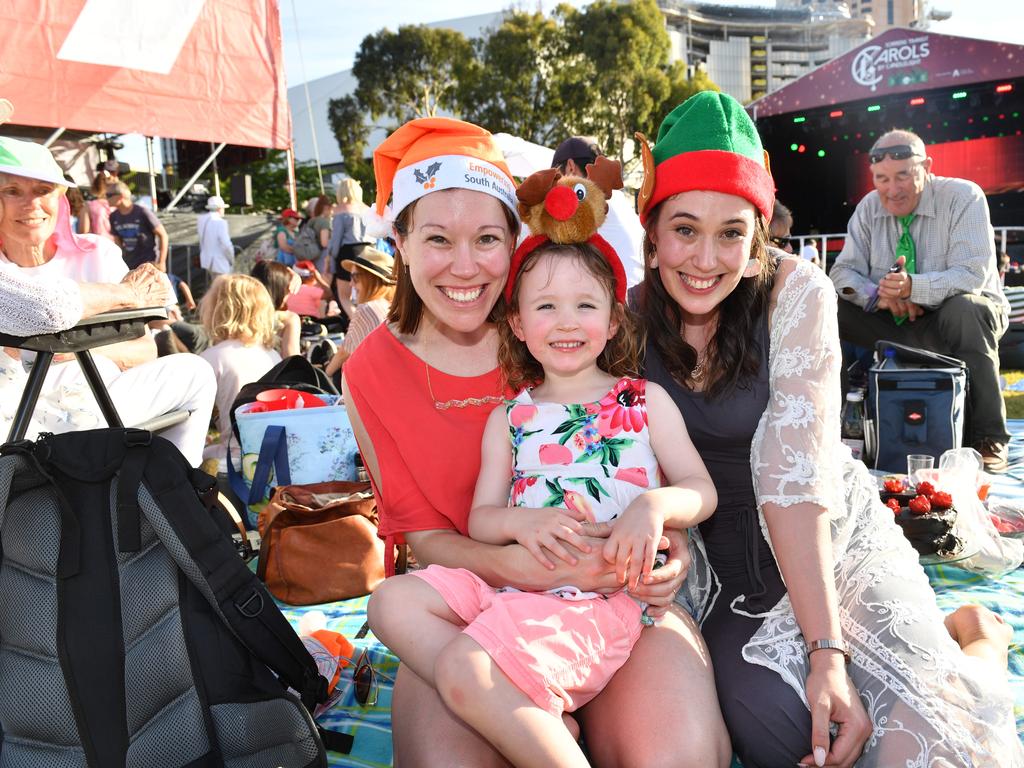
(994, 454)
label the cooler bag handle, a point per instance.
(273, 451)
(917, 356)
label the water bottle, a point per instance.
(362, 475)
(852, 430)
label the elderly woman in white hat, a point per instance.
(50, 277)
(216, 252)
(374, 282)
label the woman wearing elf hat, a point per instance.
(419, 391)
(81, 275)
(824, 613)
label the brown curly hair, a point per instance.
(620, 356)
(733, 353)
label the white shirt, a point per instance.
(235, 365)
(624, 232)
(216, 253)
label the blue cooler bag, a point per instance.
(297, 446)
(916, 403)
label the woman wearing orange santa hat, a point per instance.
(419, 390)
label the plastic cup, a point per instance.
(285, 399)
(916, 461)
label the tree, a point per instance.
(414, 72)
(618, 75)
(513, 87)
(270, 181)
(348, 122)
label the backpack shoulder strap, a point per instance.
(211, 563)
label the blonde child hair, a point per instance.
(238, 307)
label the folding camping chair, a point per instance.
(92, 332)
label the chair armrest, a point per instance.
(96, 331)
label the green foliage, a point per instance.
(414, 72)
(270, 181)
(514, 87)
(600, 71)
(346, 118)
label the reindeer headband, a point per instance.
(568, 209)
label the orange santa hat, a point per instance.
(434, 153)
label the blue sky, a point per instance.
(330, 31)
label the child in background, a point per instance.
(310, 300)
(239, 319)
(579, 447)
(280, 282)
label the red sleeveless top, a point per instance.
(428, 458)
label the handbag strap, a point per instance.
(273, 452)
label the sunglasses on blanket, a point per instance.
(364, 680)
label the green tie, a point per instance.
(905, 248)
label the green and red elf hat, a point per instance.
(707, 143)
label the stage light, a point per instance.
(846, 137)
(874, 107)
(793, 147)
(984, 119)
(821, 153)
(1015, 114)
(1004, 88)
(960, 94)
(801, 148)
(945, 123)
(1002, 117)
(800, 119)
(917, 101)
(836, 113)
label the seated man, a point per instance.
(945, 295)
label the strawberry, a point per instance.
(919, 505)
(925, 489)
(894, 505)
(941, 500)
(893, 485)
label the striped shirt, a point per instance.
(953, 240)
(365, 319)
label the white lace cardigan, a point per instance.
(931, 705)
(29, 306)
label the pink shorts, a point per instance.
(560, 653)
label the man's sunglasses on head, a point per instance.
(898, 152)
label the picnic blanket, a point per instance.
(371, 726)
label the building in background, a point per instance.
(884, 13)
(750, 51)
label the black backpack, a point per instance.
(131, 633)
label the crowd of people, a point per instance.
(615, 455)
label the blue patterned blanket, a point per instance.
(371, 726)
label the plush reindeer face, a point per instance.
(568, 209)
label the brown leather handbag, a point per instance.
(319, 543)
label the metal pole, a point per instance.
(188, 184)
(152, 172)
(54, 136)
(293, 196)
(216, 175)
(309, 104)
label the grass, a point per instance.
(1014, 400)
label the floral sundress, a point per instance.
(600, 451)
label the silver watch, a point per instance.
(837, 645)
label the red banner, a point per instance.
(897, 61)
(206, 70)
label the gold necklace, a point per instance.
(697, 374)
(464, 402)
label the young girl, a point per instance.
(239, 319)
(281, 282)
(583, 447)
